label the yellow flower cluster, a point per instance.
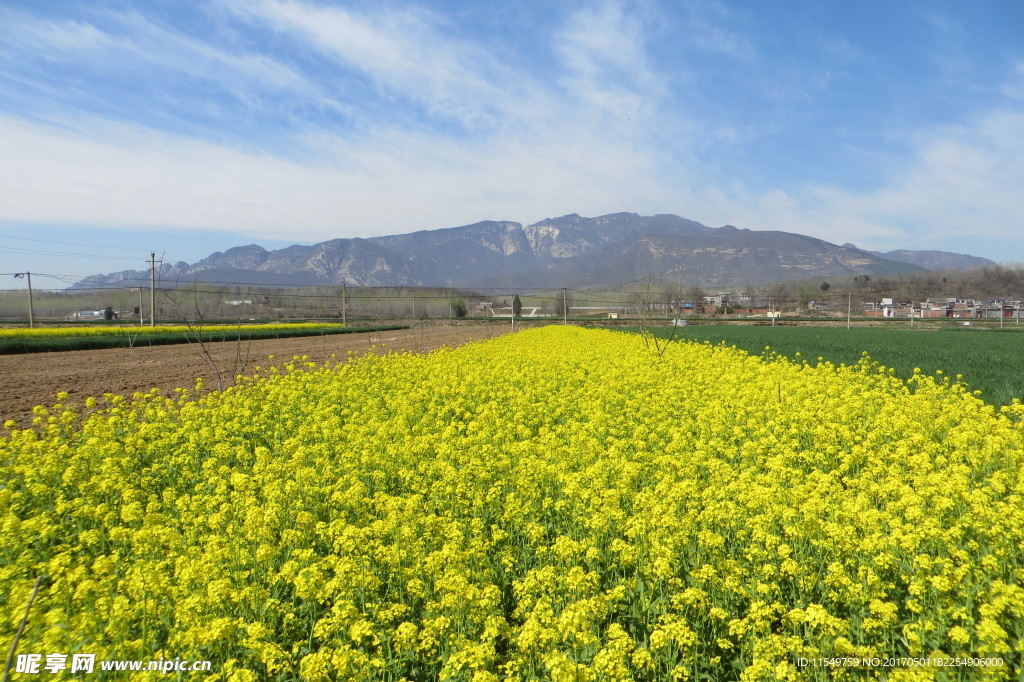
(114, 330)
(556, 504)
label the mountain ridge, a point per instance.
(569, 251)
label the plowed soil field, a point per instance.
(36, 378)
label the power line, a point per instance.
(78, 254)
(38, 252)
(54, 241)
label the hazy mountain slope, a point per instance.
(569, 251)
(936, 260)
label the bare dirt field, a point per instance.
(35, 378)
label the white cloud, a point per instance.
(116, 175)
(128, 45)
(25, 34)
(709, 27)
(598, 133)
(959, 181)
(1014, 88)
(403, 52)
(607, 68)
(965, 179)
(542, 151)
(174, 51)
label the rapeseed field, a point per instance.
(557, 504)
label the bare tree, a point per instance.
(646, 299)
(696, 295)
(672, 298)
(195, 320)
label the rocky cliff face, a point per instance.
(570, 251)
(937, 260)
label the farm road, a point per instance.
(35, 378)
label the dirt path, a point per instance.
(35, 378)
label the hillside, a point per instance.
(570, 251)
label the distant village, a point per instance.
(966, 308)
(744, 305)
(954, 308)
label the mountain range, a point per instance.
(570, 251)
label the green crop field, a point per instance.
(990, 360)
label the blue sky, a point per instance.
(190, 127)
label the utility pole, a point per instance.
(152, 288)
(344, 302)
(849, 306)
(31, 312)
(565, 310)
